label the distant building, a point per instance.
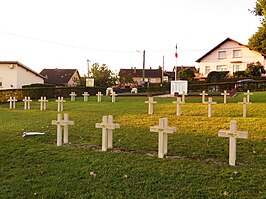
(229, 55)
(14, 74)
(61, 77)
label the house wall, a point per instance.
(148, 79)
(230, 63)
(74, 79)
(8, 76)
(15, 76)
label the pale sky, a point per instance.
(66, 33)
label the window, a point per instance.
(207, 69)
(236, 67)
(153, 80)
(237, 53)
(221, 54)
(221, 68)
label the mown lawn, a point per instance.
(196, 166)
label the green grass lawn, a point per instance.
(196, 166)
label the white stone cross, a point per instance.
(27, 101)
(12, 102)
(210, 103)
(99, 98)
(178, 106)
(107, 127)
(86, 95)
(244, 106)
(203, 96)
(225, 95)
(62, 123)
(150, 107)
(183, 94)
(163, 129)
(113, 94)
(43, 101)
(60, 103)
(248, 94)
(232, 134)
(73, 96)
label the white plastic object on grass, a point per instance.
(31, 133)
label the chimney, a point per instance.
(135, 70)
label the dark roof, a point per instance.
(138, 72)
(58, 76)
(23, 66)
(226, 40)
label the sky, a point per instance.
(66, 33)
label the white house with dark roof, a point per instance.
(229, 55)
(13, 74)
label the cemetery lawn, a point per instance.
(196, 167)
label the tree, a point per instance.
(186, 74)
(255, 69)
(102, 76)
(125, 78)
(217, 76)
(258, 40)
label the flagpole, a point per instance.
(176, 55)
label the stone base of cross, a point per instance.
(163, 129)
(43, 101)
(178, 106)
(62, 123)
(210, 103)
(99, 96)
(73, 96)
(150, 106)
(86, 95)
(203, 97)
(12, 102)
(225, 95)
(232, 134)
(113, 94)
(107, 127)
(60, 103)
(27, 101)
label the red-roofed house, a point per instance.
(229, 55)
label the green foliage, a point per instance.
(125, 78)
(186, 74)
(240, 74)
(258, 40)
(39, 86)
(255, 69)
(102, 76)
(217, 76)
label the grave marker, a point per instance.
(43, 101)
(60, 103)
(99, 98)
(109, 91)
(178, 106)
(244, 106)
(248, 94)
(232, 134)
(203, 97)
(150, 106)
(183, 96)
(27, 101)
(12, 102)
(107, 127)
(163, 129)
(73, 96)
(113, 94)
(210, 103)
(86, 95)
(225, 95)
(62, 123)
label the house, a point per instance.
(61, 77)
(14, 74)
(229, 55)
(151, 75)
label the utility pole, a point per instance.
(163, 70)
(88, 63)
(143, 71)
